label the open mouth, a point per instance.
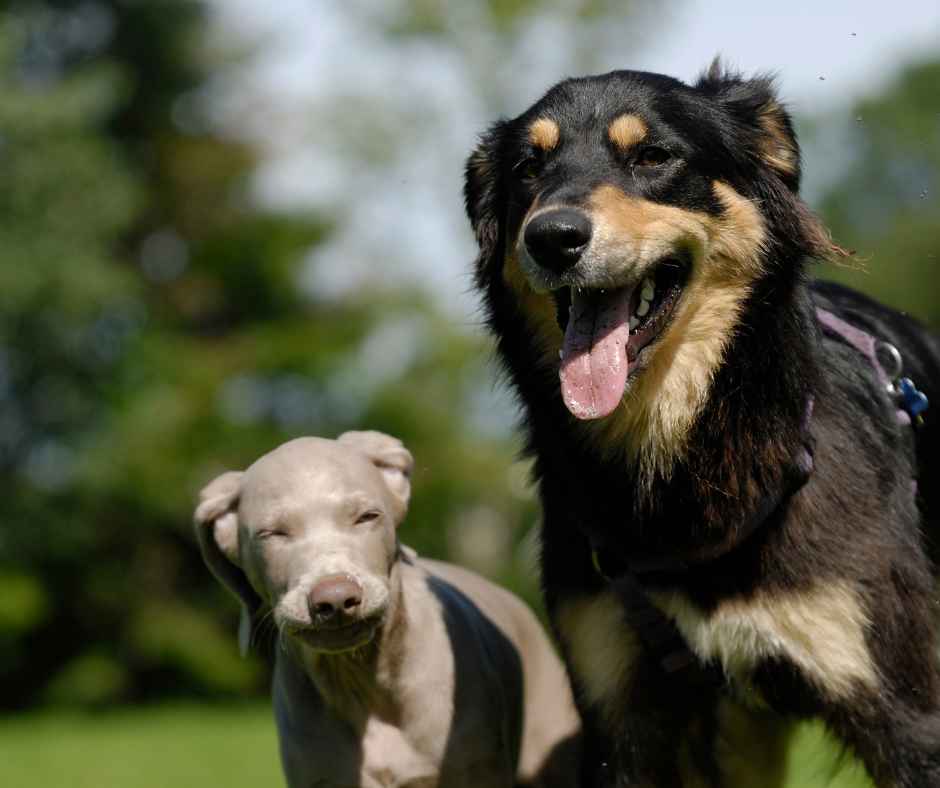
(346, 637)
(605, 330)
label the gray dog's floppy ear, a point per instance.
(216, 521)
(390, 456)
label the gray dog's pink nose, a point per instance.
(334, 597)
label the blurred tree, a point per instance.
(128, 251)
(67, 315)
(885, 207)
(153, 334)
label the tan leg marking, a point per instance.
(601, 647)
(822, 631)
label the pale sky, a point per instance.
(855, 46)
(327, 86)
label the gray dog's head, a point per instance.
(309, 532)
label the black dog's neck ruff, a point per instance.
(911, 403)
(639, 565)
(750, 449)
(797, 474)
(631, 561)
(626, 573)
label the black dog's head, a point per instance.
(624, 219)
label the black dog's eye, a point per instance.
(651, 156)
(528, 167)
(368, 517)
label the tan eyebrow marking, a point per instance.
(544, 133)
(625, 131)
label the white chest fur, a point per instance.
(392, 761)
(821, 630)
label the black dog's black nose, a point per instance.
(556, 238)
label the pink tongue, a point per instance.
(594, 356)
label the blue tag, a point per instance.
(915, 402)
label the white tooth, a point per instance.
(634, 322)
(643, 308)
(561, 353)
(648, 290)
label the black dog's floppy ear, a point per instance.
(216, 521)
(483, 194)
(390, 456)
(752, 106)
(754, 103)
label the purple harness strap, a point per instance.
(865, 344)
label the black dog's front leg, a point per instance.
(637, 712)
(655, 734)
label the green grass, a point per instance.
(235, 746)
(814, 758)
(178, 746)
(758, 749)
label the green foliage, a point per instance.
(128, 256)
(23, 602)
(154, 334)
(886, 206)
(24, 607)
(90, 679)
(175, 635)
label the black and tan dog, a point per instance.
(727, 468)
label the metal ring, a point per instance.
(890, 359)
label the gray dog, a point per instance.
(390, 670)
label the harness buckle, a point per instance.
(909, 398)
(915, 402)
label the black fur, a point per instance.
(856, 520)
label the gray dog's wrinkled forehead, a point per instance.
(313, 465)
